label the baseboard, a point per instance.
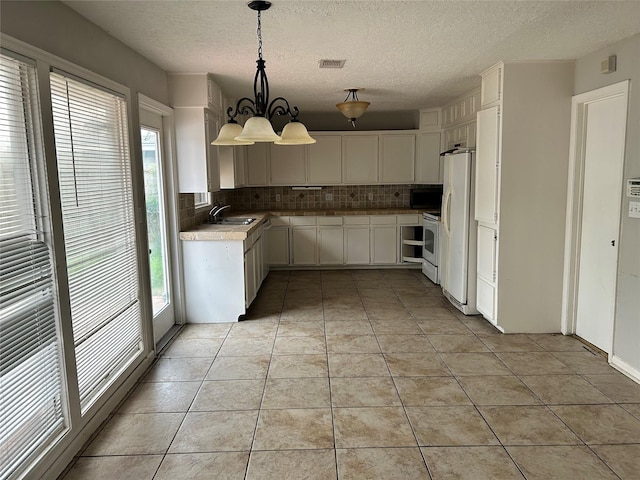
(625, 368)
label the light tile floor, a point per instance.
(369, 374)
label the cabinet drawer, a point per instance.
(356, 220)
(409, 219)
(383, 220)
(280, 221)
(329, 220)
(303, 220)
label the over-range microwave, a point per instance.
(428, 197)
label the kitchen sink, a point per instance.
(234, 221)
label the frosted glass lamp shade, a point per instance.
(295, 133)
(352, 109)
(228, 134)
(258, 129)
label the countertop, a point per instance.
(208, 231)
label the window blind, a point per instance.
(31, 414)
(94, 169)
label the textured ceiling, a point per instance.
(407, 54)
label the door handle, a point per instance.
(613, 243)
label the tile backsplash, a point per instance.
(285, 198)
(336, 197)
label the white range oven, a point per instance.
(431, 246)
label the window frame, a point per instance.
(55, 458)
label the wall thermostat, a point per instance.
(633, 187)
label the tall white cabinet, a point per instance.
(521, 182)
(197, 103)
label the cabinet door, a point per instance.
(232, 166)
(491, 86)
(486, 271)
(278, 246)
(304, 245)
(384, 245)
(356, 249)
(487, 165)
(330, 246)
(428, 158)
(191, 150)
(397, 158)
(325, 160)
(249, 276)
(360, 159)
(257, 164)
(287, 165)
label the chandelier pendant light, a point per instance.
(258, 128)
(354, 108)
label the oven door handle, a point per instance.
(445, 211)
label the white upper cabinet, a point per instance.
(360, 159)
(197, 159)
(194, 90)
(257, 164)
(491, 86)
(487, 166)
(397, 158)
(428, 158)
(288, 165)
(232, 166)
(324, 161)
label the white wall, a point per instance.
(57, 29)
(588, 77)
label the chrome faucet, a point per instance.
(215, 212)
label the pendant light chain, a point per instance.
(259, 35)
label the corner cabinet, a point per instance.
(428, 158)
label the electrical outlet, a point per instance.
(634, 209)
(370, 196)
(278, 197)
(329, 197)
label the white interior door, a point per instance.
(602, 137)
(157, 231)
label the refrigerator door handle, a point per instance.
(445, 211)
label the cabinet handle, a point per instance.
(613, 243)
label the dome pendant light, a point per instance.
(258, 128)
(354, 108)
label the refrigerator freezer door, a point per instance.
(457, 183)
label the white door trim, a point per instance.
(173, 207)
(574, 197)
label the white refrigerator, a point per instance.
(459, 231)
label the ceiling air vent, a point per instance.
(324, 63)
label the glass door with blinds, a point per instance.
(156, 206)
(96, 196)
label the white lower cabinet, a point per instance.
(384, 244)
(304, 241)
(222, 277)
(277, 251)
(330, 245)
(356, 248)
(486, 272)
(338, 240)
